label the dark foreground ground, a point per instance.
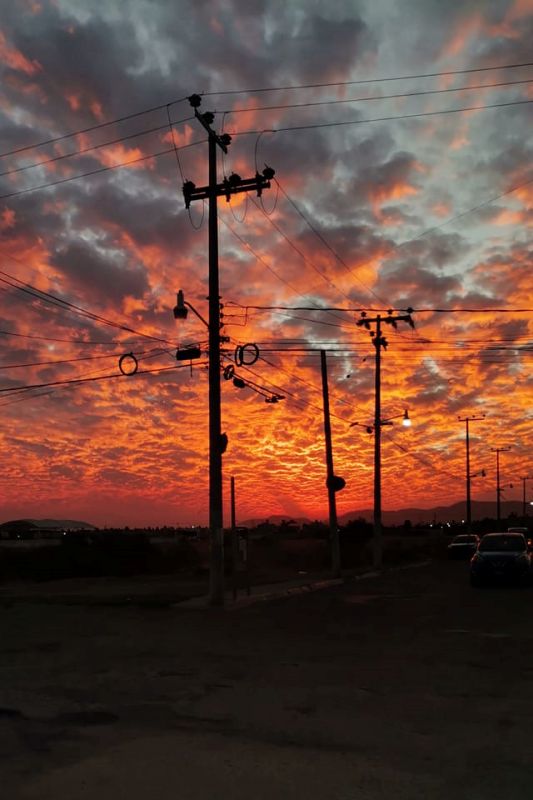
(409, 685)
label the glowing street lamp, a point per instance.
(406, 421)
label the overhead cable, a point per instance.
(89, 129)
(99, 170)
(346, 100)
(90, 149)
(361, 81)
(312, 126)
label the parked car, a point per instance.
(526, 533)
(501, 557)
(463, 546)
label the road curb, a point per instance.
(200, 603)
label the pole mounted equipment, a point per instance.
(188, 353)
(130, 360)
(246, 354)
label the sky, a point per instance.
(379, 201)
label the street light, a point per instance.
(380, 342)
(524, 479)
(406, 422)
(181, 309)
(468, 474)
(499, 490)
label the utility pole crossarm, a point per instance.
(229, 186)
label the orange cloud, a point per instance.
(120, 154)
(7, 219)
(380, 195)
(14, 59)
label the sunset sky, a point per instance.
(378, 203)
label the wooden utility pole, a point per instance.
(217, 440)
(378, 526)
(333, 482)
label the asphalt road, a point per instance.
(408, 685)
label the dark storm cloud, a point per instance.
(99, 275)
(94, 60)
(149, 220)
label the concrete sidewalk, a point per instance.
(264, 592)
(272, 591)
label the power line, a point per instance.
(301, 380)
(99, 170)
(15, 389)
(91, 128)
(382, 310)
(256, 132)
(413, 238)
(66, 341)
(313, 126)
(368, 80)
(262, 260)
(92, 148)
(299, 251)
(26, 397)
(46, 297)
(312, 104)
(154, 352)
(152, 109)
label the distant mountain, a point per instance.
(480, 510)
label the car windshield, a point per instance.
(511, 543)
(464, 539)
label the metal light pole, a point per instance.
(468, 475)
(379, 341)
(333, 482)
(378, 526)
(498, 450)
(524, 507)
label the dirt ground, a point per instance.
(406, 685)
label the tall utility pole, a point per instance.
(467, 420)
(498, 450)
(217, 440)
(524, 507)
(379, 341)
(333, 482)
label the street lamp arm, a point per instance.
(404, 416)
(386, 421)
(194, 311)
